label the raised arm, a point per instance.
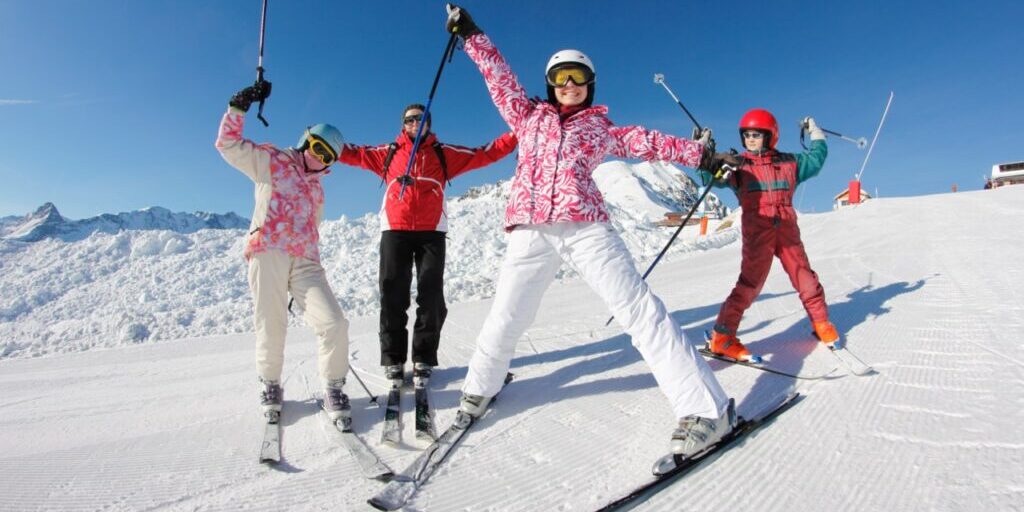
(639, 142)
(506, 92)
(810, 162)
(243, 154)
(461, 159)
(370, 158)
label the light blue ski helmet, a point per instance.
(328, 133)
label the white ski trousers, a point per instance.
(534, 254)
(273, 275)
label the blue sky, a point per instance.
(109, 106)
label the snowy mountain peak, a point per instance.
(46, 210)
(47, 222)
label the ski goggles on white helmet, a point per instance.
(560, 76)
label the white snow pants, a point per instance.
(533, 256)
(272, 276)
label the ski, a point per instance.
(341, 431)
(757, 365)
(391, 434)
(706, 352)
(847, 358)
(671, 467)
(424, 415)
(270, 451)
(401, 489)
(852, 362)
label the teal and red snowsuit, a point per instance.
(765, 185)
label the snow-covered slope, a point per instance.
(912, 282)
(152, 275)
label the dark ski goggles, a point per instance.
(559, 77)
(412, 119)
(751, 134)
(321, 150)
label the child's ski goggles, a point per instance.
(559, 77)
(321, 149)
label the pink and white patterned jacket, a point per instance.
(289, 201)
(553, 180)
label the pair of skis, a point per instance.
(397, 493)
(392, 431)
(340, 431)
(851, 362)
(403, 486)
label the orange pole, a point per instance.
(704, 225)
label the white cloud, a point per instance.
(4, 103)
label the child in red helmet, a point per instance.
(764, 184)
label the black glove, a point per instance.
(255, 93)
(460, 22)
(712, 162)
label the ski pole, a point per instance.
(259, 64)
(449, 51)
(875, 138)
(722, 173)
(660, 79)
(861, 142)
(373, 399)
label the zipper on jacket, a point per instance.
(554, 172)
(533, 184)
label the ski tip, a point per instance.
(377, 505)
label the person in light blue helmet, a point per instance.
(283, 250)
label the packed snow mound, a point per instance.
(152, 275)
(46, 222)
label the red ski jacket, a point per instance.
(422, 208)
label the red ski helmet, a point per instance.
(762, 120)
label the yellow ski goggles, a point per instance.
(321, 149)
(559, 77)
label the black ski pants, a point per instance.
(399, 252)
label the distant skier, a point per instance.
(556, 213)
(414, 233)
(765, 183)
(283, 248)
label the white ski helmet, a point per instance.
(567, 57)
(570, 56)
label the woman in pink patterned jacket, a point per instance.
(556, 213)
(283, 250)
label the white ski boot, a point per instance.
(696, 434)
(336, 404)
(270, 396)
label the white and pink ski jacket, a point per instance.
(289, 201)
(553, 180)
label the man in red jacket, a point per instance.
(414, 227)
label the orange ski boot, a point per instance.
(729, 345)
(826, 332)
